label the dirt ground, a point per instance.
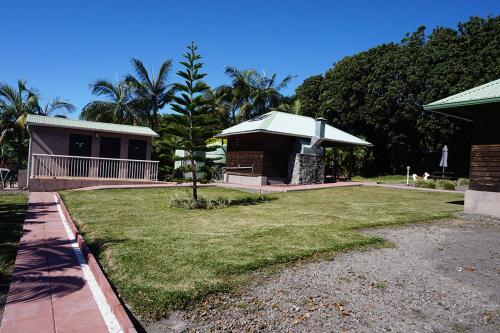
(439, 277)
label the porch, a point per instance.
(53, 172)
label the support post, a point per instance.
(350, 164)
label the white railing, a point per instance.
(63, 166)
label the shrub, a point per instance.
(187, 202)
(447, 185)
(425, 183)
(463, 182)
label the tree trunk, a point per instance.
(19, 149)
(154, 121)
(195, 188)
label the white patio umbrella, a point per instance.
(444, 158)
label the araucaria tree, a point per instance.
(194, 121)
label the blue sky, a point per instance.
(61, 46)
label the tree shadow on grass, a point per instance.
(251, 200)
(98, 245)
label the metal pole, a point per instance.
(407, 176)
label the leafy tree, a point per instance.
(308, 94)
(194, 121)
(378, 94)
(119, 107)
(151, 92)
(15, 105)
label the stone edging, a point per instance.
(111, 298)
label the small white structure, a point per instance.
(218, 156)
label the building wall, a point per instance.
(485, 152)
(55, 141)
(307, 169)
(268, 154)
(37, 184)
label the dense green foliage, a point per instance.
(15, 105)
(249, 94)
(378, 94)
(117, 107)
(308, 93)
(193, 122)
(159, 257)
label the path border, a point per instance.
(111, 298)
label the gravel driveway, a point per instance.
(440, 277)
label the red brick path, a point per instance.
(48, 292)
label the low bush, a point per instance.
(463, 182)
(425, 183)
(187, 202)
(447, 185)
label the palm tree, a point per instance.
(56, 104)
(251, 93)
(15, 105)
(238, 95)
(150, 93)
(267, 95)
(118, 108)
(288, 105)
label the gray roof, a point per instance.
(38, 120)
(291, 125)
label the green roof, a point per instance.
(45, 121)
(483, 94)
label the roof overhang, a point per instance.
(100, 130)
(90, 126)
(465, 104)
(338, 142)
(462, 114)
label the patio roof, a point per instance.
(281, 123)
(459, 105)
(38, 120)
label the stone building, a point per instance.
(279, 147)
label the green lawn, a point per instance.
(389, 179)
(12, 213)
(160, 258)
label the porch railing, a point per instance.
(63, 166)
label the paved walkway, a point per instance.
(284, 188)
(250, 188)
(49, 291)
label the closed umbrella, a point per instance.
(444, 158)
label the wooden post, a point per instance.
(350, 164)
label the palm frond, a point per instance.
(141, 72)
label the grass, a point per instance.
(161, 258)
(12, 213)
(389, 179)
